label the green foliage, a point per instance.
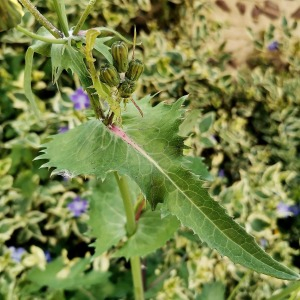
(254, 140)
(93, 149)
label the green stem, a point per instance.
(292, 287)
(84, 16)
(40, 37)
(59, 6)
(41, 19)
(104, 29)
(135, 261)
(231, 296)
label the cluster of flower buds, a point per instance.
(110, 74)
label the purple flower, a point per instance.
(295, 209)
(283, 209)
(221, 173)
(274, 46)
(16, 253)
(63, 129)
(78, 206)
(263, 242)
(47, 256)
(80, 99)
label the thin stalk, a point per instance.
(84, 16)
(135, 261)
(231, 296)
(59, 6)
(41, 19)
(40, 37)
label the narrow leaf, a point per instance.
(103, 49)
(27, 81)
(149, 151)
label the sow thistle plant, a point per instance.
(149, 187)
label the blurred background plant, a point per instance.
(243, 120)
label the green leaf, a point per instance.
(212, 291)
(206, 122)
(103, 49)
(107, 215)
(108, 220)
(73, 59)
(152, 233)
(73, 278)
(149, 151)
(57, 51)
(196, 166)
(27, 80)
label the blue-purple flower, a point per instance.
(63, 129)
(287, 210)
(80, 99)
(221, 173)
(274, 46)
(47, 256)
(78, 206)
(16, 253)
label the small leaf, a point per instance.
(73, 278)
(212, 291)
(206, 122)
(27, 80)
(103, 49)
(107, 215)
(57, 51)
(152, 233)
(73, 59)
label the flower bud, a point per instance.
(135, 69)
(10, 14)
(109, 75)
(119, 51)
(126, 88)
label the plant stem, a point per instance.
(84, 16)
(41, 19)
(135, 261)
(231, 296)
(40, 37)
(59, 6)
(123, 186)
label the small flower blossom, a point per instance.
(283, 209)
(16, 253)
(63, 129)
(273, 46)
(221, 173)
(295, 209)
(263, 242)
(80, 99)
(47, 256)
(78, 206)
(286, 210)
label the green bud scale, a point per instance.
(109, 75)
(127, 88)
(119, 51)
(135, 69)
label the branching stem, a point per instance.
(40, 37)
(41, 19)
(84, 16)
